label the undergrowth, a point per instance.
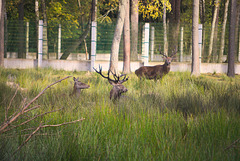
(177, 118)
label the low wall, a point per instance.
(75, 65)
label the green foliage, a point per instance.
(177, 118)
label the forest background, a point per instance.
(74, 16)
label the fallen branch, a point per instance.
(7, 123)
(231, 145)
(43, 126)
(31, 119)
(6, 111)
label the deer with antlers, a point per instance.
(78, 86)
(118, 88)
(158, 71)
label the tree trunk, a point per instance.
(21, 35)
(75, 44)
(117, 37)
(174, 21)
(165, 29)
(215, 37)
(2, 11)
(134, 30)
(223, 32)
(212, 30)
(45, 36)
(36, 24)
(237, 25)
(81, 39)
(203, 20)
(231, 48)
(195, 49)
(126, 41)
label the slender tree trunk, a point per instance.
(212, 30)
(2, 11)
(134, 30)
(117, 37)
(174, 19)
(45, 36)
(126, 40)
(165, 29)
(36, 24)
(237, 25)
(223, 32)
(203, 20)
(231, 48)
(195, 48)
(21, 35)
(215, 37)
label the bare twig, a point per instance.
(9, 106)
(27, 139)
(31, 109)
(231, 145)
(31, 119)
(105, 15)
(43, 126)
(65, 123)
(7, 123)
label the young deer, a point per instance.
(158, 71)
(118, 88)
(78, 86)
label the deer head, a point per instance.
(118, 88)
(78, 86)
(168, 59)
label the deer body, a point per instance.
(153, 72)
(158, 71)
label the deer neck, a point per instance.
(166, 67)
(76, 91)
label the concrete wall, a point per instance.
(75, 65)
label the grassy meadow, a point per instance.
(177, 118)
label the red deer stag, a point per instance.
(78, 86)
(158, 71)
(118, 88)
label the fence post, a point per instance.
(181, 45)
(200, 45)
(143, 40)
(93, 43)
(152, 42)
(146, 44)
(27, 39)
(40, 43)
(59, 41)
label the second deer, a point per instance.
(78, 86)
(158, 71)
(118, 88)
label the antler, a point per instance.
(174, 52)
(115, 76)
(161, 52)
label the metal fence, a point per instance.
(21, 37)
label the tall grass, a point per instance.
(177, 118)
